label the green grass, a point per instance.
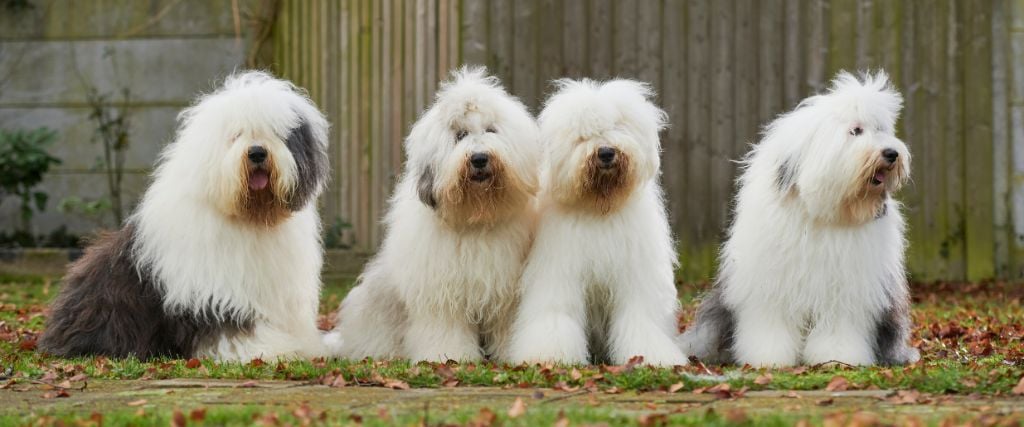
(991, 319)
(970, 337)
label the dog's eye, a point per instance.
(856, 131)
(460, 134)
(491, 130)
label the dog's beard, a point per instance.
(260, 196)
(875, 179)
(474, 203)
(603, 189)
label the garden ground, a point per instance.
(971, 337)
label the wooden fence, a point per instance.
(722, 69)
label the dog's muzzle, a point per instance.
(480, 167)
(606, 157)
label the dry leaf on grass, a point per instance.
(838, 383)
(1019, 388)
(518, 408)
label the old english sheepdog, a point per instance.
(598, 285)
(443, 284)
(222, 257)
(812, 271)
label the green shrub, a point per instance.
(24, 161)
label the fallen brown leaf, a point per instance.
(193, 363)
(838, 383)
(178, 419)
(763, 379)
(197, 415)
(1019, 388)
(518, 408)
(675, 387)
(396, 384)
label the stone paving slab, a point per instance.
(187, 393)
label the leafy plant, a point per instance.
(92, 210)
(113, 127)
(335, 235)
(24, 161)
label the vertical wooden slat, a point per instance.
(420, 50)
(345, 128)
(411, 60)
(550, 18)
(722, 121)
(599, 31)
(745, 93)
(431, 76)
(649, 31)
(443, 30)
(864, 36)
(698, 247)
(793, 53)
(928, 149)
(843, 41)
(574, 38)
(378, 148)
(398, 114)
(1003, 237)
(951, 100)
(500, 36)
(817, 45)
(474, 40)
(524, 52)
(673, 97)
(770, 55)
(624, 38)
(978, 136)
(1016, 59)
(454, 34)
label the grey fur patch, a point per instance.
(311, 163)
(884, 209)
(109, 305)
(892, 333)
(786, 176)
(425, 187)
(710, 338)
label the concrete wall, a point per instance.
(164, 51)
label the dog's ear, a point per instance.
(786, 175)
(311, 164)
(425, 187)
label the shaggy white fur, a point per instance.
(598, 284)
(812, 271)
(214, 252)
(458, 229)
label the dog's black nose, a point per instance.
(479, 160)
(890, 154)
(257, 154)
(606, 154)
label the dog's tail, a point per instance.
(710, 337)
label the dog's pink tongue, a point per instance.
(258, 179)
(880, 176)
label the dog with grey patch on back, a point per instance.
(812, 271)
(443, 284)
(599, 283)
(222, 257)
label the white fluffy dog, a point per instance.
(598, 285)
(812, 271)
(443, 283)
(222, 257)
